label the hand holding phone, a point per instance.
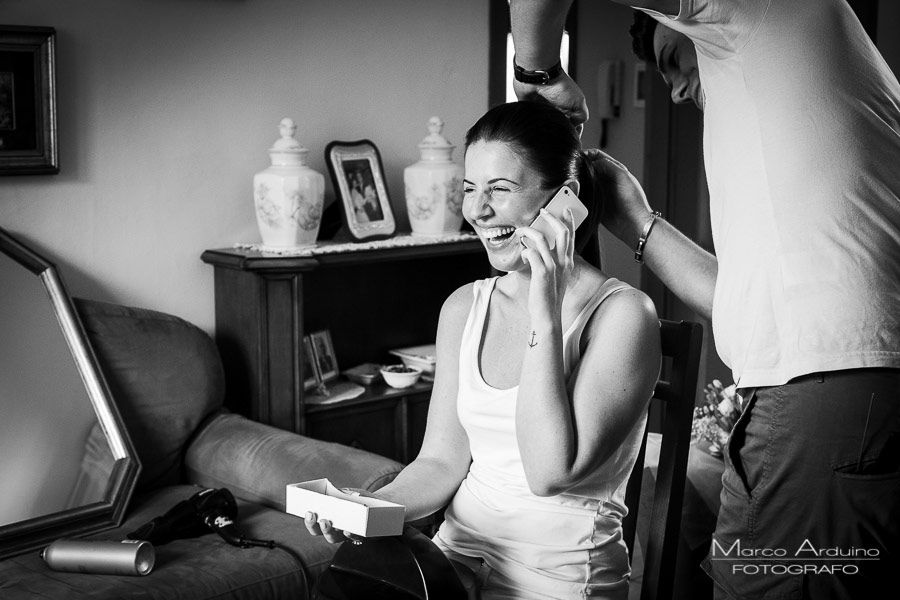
(563, 199)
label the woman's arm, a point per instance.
(565, 434)
(429, 482)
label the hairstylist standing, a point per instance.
(801, 145)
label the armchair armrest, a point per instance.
(256, 461)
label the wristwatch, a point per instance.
(539, 77)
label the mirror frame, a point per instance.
(29, 534)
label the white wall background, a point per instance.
(167, 109)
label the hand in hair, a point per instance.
(563, 93)
(625, 206)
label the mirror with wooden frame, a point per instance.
(54, 403)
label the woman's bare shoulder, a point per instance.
(630, 309)
(457, 305)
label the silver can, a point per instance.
(128, 557)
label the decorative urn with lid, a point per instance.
(288, 195)
(434, 186)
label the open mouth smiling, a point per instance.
(497, 236)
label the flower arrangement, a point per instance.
(714, 419)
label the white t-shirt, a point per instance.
(802, 150)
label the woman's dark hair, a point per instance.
(550, 146)
(643, 27)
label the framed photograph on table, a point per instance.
(358, 178)
(28, 101)
(323, 353)
(311, 377)
(329, 388)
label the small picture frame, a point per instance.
(323, 353)
(28, 101)
(311, 376)
(358, 178)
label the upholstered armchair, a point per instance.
(166, 378)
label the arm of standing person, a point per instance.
(430, 481)
(566, 429)
(537, 29)
(683, 266)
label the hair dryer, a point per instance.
(209, 509)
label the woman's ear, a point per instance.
(574, 185)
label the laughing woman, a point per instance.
(542, 383)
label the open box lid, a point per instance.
(348, 511)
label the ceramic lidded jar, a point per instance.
(434, 186)
(288, 195)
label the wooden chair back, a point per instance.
(671, 414)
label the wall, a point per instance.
(603, 35)
(167, 109)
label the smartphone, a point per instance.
(563, 199)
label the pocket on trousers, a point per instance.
(882, 464)
(734, 478)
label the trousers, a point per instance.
(811, 490)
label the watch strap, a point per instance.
(538, 77)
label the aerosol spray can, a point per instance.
(128, 557)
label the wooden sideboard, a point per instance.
(371, 300)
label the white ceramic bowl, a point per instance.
(400, 376)
(421, 357)
(419, 363)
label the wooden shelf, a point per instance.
(383, 420)
(371, 301)
(374, 392)
(248, 259)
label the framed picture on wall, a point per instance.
(28, 101)
(358, 179)
(323, 353)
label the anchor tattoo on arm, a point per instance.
(532, 343)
